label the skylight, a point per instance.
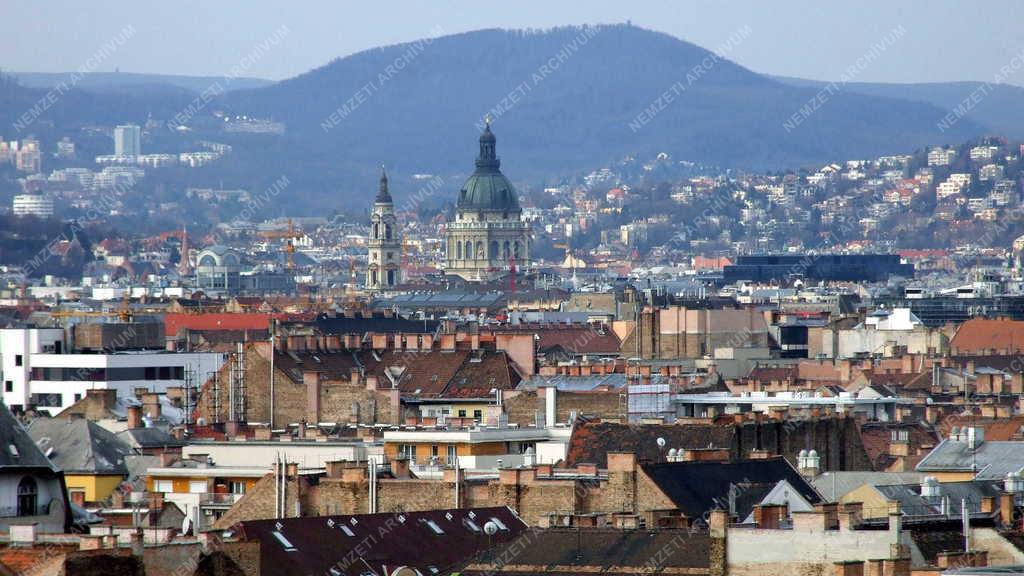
(433, 526)
(472, 525)
(348, 531)
(288, 547)
(499, 523)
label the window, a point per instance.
(165, 486)
(433, 450)
(407, 451)
(8, 386)
(28, 497)
(197, 486)
(237, 487)
(462, 413)
(18, 360)
(477, 414)
(452, 454)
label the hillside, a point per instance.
(1001, 109)
(422, 118)
(416, 107)
(119, 81)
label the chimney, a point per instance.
(156, 501)
(23, 534)
(808, 463)
(134, 417)
(400, 467)
(151, 405)
(90, 542)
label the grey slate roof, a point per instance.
(991, 460)
(25, 453)
(834, 485)
(913, 504)
(80, 446)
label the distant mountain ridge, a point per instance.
(416, 107)
(423, 118)
(115, 81)
(1000, 107)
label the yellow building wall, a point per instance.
(423, 450)
(96, 488)
(181, 485)
(874, 504)
(953, 476)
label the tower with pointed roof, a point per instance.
(383, 269)
(488, 236)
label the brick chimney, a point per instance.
(134, 417)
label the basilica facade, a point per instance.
(488, 236)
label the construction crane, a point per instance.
(124, 313)
(290, 236)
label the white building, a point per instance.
(39, 371)
(941, 156)
(32, 205)
(127, 140)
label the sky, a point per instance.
(940, 40)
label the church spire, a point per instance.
(488, 158)
(383, 196)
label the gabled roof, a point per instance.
(979, 335)
(700, 486)
(991, 460)
(592, 441)
(913, 504)
(80, 446)
(361, 325)
(17, 449)
(609, 550)
(431, 542)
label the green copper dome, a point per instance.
(487, 188)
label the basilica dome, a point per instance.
(487, 188)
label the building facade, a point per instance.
(488, 236)
(385, 246)
(127, 140)
(32, 205)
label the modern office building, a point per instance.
(127, 140)
(835, 267)
(32, 205)
(41, 370)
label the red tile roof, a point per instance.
(982, 336)
(215, 321)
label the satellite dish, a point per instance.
(491, 528)
(661, 442)
(186, 525)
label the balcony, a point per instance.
(214, 499)
(12, 512)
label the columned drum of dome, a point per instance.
(488, 236)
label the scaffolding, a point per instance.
(650, 401)
(236, 386)
(190, 393)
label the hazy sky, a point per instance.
(943, 40)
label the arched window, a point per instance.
(387, 232)
(494, 254)
(515, 250)
(480, 250)
(458, 250)
(507, 252)
(373, 278)
(376, 230)
(28, 497)
(469, 250)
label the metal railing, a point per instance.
(18, 512)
